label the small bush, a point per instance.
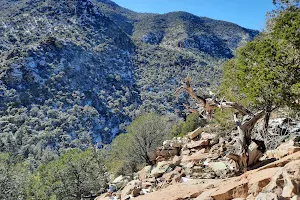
(129, 152)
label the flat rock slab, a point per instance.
(190, 189)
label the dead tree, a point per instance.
(248, 151)
(208, 104)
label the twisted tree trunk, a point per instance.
(249, 150)
(247, 155)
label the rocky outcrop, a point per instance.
(198, 169)
(262, 183)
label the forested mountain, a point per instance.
(75, 73)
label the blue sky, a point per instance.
(246, 13)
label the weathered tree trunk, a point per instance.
(246, 156)
(249, 151)
(267, 117)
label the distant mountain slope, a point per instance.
(184, 30)
(78, 68)
(180, 29)
(65, 54)
(177, 42)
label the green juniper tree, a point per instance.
(265, 72)
(74, 175)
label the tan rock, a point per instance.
(287, 191)
(206, 195)
(211, 137)
(296, 197)
(150, 180)
(194, 133)
(293, 150)
(120, 181)
(160, 169)
(284, 149)
(178, 169)
(277, 179)
(171, 176)
(145, 172)
(179, 191)
(267, 196)
(173, 143)
(135, 192)
(146, 184)
(131, 187)
(250, 197)
(243, 186)
(102, 198)
(167, 152)
(199, 143)
(177, 143)
(108, 194)
(185, 152)
(105, 196)
(196, 157)
(218, 166)
(282, 162)
(190, 165)
(260, 179)
(231, 190)
(176, 160)
(287, 179)
(160, 159)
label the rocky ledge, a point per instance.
(196, 167)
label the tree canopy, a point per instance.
(73, 175)
(265, 72)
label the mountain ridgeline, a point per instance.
(74, 73)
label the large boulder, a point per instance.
(145, 173)
(131, 189)
(211, 137)
(120, 181)
(218, 166)
(286, 182)
(160, 169)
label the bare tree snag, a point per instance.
(236, 106)
(247, 154)
(208, 104)
(249, 151)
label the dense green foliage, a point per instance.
(77, 173)
(265, 72)
(63, 57)
(192, 122)
(14, 176)
(73, 175)
(41, 132)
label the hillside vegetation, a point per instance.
(87, 87)
(78, 71)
